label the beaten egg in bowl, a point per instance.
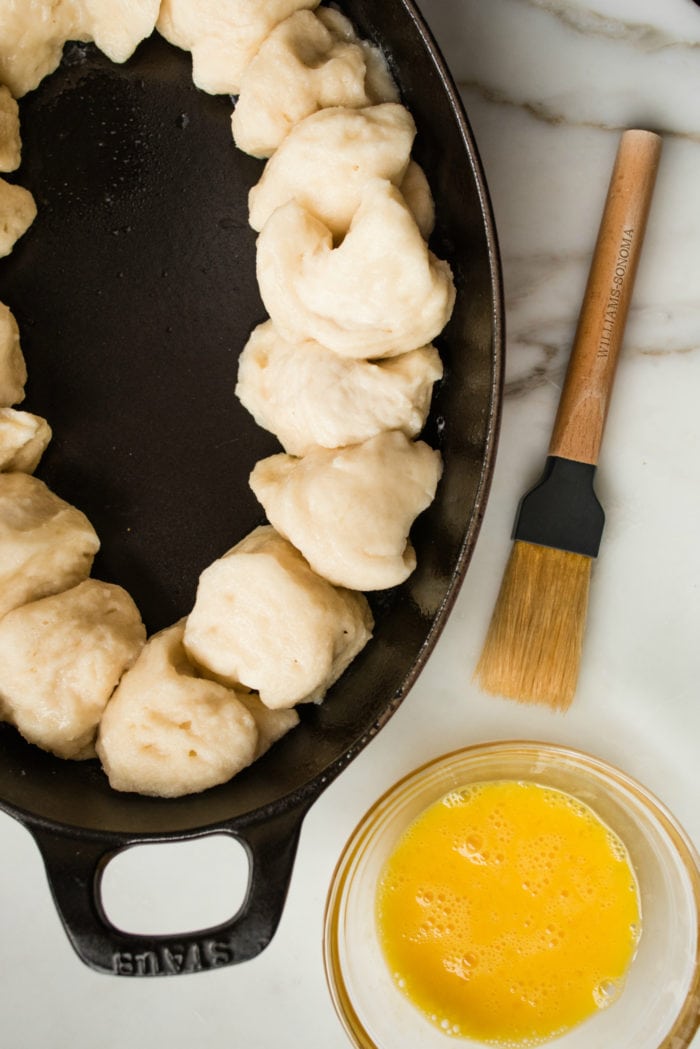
(512, 893)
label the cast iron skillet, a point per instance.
(135, 290)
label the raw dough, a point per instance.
(10, 143)
(271, 724)
(168, 732)
(381, 292)
(223, 35)
(17, 212)
(415, 190)
(308, 396)
(263, 619)
(309, 62)
(32, 35)
(326, 161)
(342, 261)
(116, 26)
(13, 370)
(60, 660)
(23, 440)
(46, 545)
(33, 32)
(350, 511)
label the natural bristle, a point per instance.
(533, 647)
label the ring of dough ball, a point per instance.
(175, 723)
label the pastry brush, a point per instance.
(534, 642)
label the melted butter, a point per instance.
(508, 913)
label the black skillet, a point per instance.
(135, 291)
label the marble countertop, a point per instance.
(548, 86)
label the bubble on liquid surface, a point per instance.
(607, 992)
(617, 848)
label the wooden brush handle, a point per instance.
(583, 407)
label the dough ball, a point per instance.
(271, 724)
(60, 660)
(32, 35)
(264, 619)
(381, 292)
(308, 396)
(17, 212)
(223, 35)
(415, 190)
(13, 370)
(116, 26)
(308, 63)
(33, 32)
(10, 143)
(380, 85)
(350, 511)
(326, 161)
(168, 732)
(46, 545)
(23, 440)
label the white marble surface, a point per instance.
(548, 85)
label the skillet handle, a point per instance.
(74, 867)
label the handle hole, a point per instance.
(173, 888)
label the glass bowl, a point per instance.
(659, 1007)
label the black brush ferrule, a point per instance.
(562, 510)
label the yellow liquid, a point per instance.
(508, 913)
